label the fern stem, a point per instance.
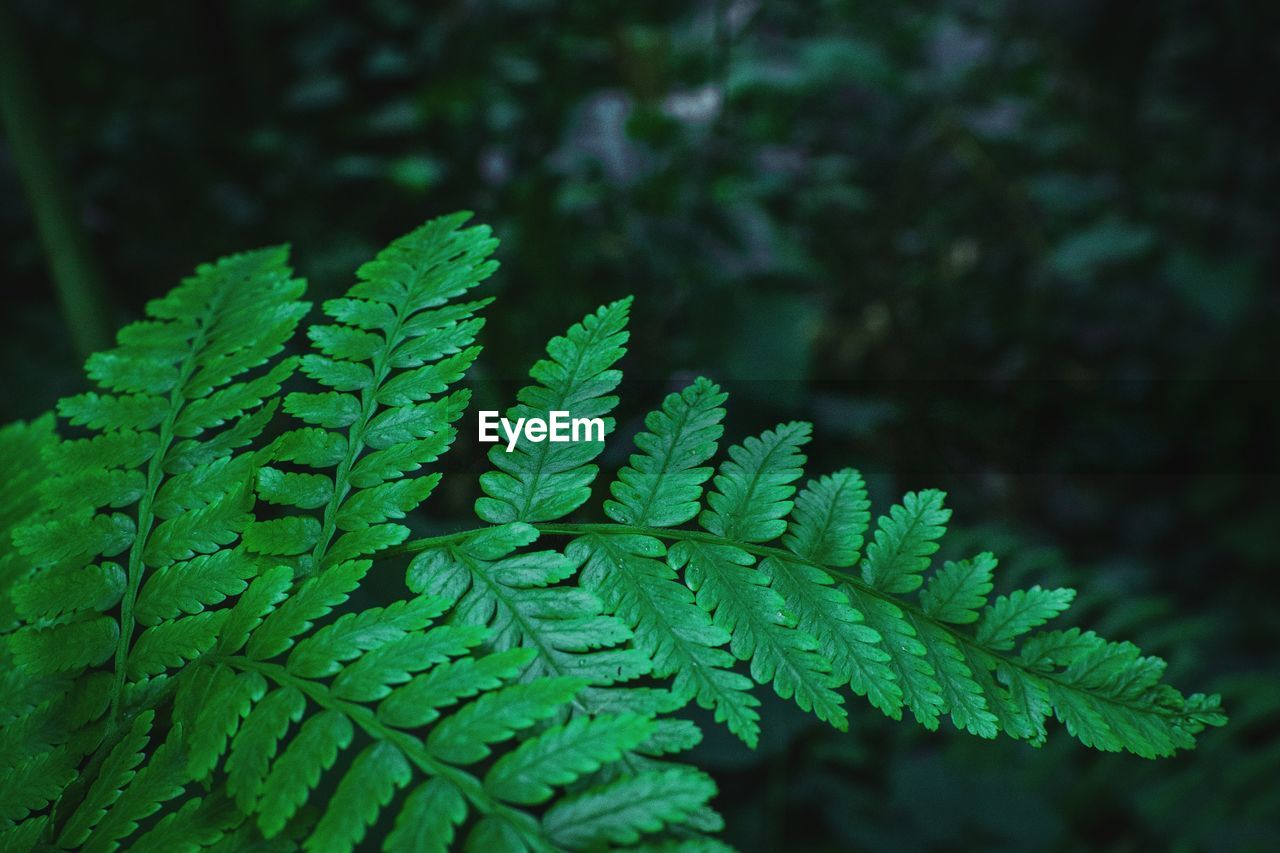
(355, 435)
(676, 535)
(410, 745)
(426, 544)
(146, 514)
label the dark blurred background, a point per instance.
(1025, 252)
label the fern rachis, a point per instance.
(185, 662)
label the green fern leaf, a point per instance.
(64, 590)
(265, 592)
(959, 692)
(25, 451)
(563, 754)
(353, 634)
(160, 780)
(22, 837)
(311, 752)
(66, 647)
(185, 373)
(679, 637)
(1010, 616)
(463, 737)
(905, 540)
(198, 824)
(168, 645)
(824, 612)
(826, 527)
(396, 345)
(34, 782)
(518, 598)
(191, 586)
(374, 674)
(417, 703)
(227, 701)
(545, 481)
(754, 485)
(663, 483)
(661, 487)
(959, 590)
(622, 812)
(314, 599)
(367, 788)
(429, 819)
(727, 584)
(751, 498)
(257, 742)
(830, 518)
(217, 571)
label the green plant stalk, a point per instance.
(34, 152)
(676, 535)
(146, 514)
(355, 440)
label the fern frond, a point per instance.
(727, 584)
(546, 481)
(754, 486)
(201, 822)
(194, 498)
(895, 630)
(751, 497)
(1010, 616)
(563, 754)
(938, 668)
(159, 485)
(396, 344)
(34, 782)
(622, 812)
(160, 780)
(521, 597)
(254, 695)
(823, 611)
(830, 519)
(905, 540)
(662, 485)
(279, 718)
(540, 600)
(958, 590)
(635, 584)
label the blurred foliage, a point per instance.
(1025, 252)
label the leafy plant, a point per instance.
(184, 666)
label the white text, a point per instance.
(559, 427)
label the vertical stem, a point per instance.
(146, 513)
(34, 152)
(146, 518)
(381, 367)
